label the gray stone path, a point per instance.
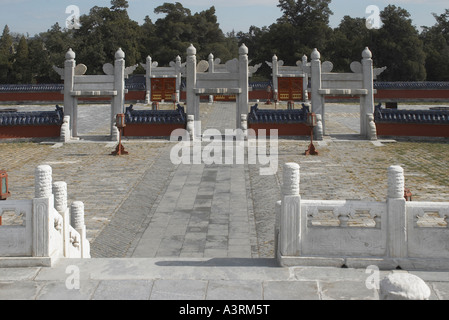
(203, 213)
(206, 210)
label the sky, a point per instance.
(35, 16)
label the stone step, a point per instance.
(196, 279)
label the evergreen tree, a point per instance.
(347, 43)
(119, 5)
(103, 31)
(398, 46)
(179, 28)
(303, 25)
(6, 55)
(40, 64)
(21, 66)
(173, 32)
(310, 19)
(436, 46)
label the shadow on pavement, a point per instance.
(222, 262)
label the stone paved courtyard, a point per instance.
(125, 196)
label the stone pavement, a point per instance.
(233, 279)
(196, 231)
(204, 211)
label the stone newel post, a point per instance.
(210, 59)
(77, 222)
(397, 226)
(316, 98)
(289, 238)
(118, 101)
(77, 216)
(60, 194)
(43, 202)
(305, 82)
(275, 69)
(148, 80)
(190, 127)
(367, 100)
(291, 179)
(243, 96)
(69, 101)
(191, 82)
(43, 182)
(178, 68)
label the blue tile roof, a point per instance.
(155, 116)
(257, 115)
(382, 115)
(33, 118)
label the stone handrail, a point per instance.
(46, 233)
(388, 236)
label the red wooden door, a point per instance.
(163, 89)
(290, 89)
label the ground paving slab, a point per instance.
(196, 279)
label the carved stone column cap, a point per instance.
(60, 193)
(367, 54)
(70, 55)
(191, 50)
(395, 182)
(119, 54)
(243, 49)
(291, 179)
(43, 181)
(77, 215)
(316, 55)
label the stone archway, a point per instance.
(77, 85)
(358, 83)
(230, 78)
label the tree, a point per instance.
(103, 31)
(436, 46)
(397, 45)
(6, 55)
(21, 65)
(147, 38)
(117, 5)
(310, 19)
(179, 28)
(40, 64)
(206, 33)
(173, 32)
(346, 45)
